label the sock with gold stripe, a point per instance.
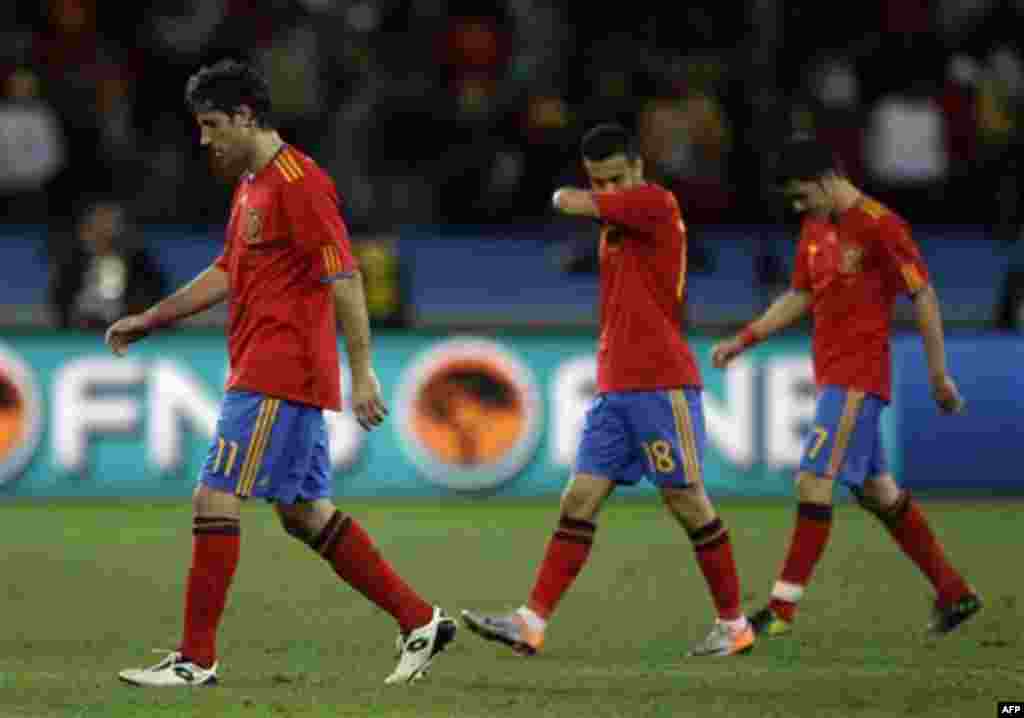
(352, 555)
(810, 536)
(215, 552)
(713, 549)
(566, 554)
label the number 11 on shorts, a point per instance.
(232, 447)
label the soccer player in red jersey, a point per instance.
(289, 276)
(647, 419)
(855, 257)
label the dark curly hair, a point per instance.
(226, 86)
(607, 140)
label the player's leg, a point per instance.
(806, 546)
(670, 427)
(300, 489)
(566, 553)
(955, 600)
(603, 452)
(215, 552)
(840, 443)
(425, 630)
(242, 427)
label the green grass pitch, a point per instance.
(89, 589)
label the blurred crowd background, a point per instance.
(468, 112)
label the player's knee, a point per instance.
(888, 506)
(690, 506)
(814, 489)
(296, 529)
(579, 505)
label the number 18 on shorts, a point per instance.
(630, 435)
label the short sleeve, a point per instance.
(641, 208)
(221, 262)
(902, 255)
(315, 225)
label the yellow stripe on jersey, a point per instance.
(293, 164)
(332, 260)
(873, 208)
(912, 277)
(289, 174)
(847, 423)
(681, 283)
(687, 438)
(257, 446)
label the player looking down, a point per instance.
(647, 419)
(855, 257)
(288, 274)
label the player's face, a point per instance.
(808, 196)
(615, 173)
(225, 137)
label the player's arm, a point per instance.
(576, 202)
(911, 277)
(642, 208)
(929, 322)
(311, 208)
(350, 308)
(783, 312)
(210, 287)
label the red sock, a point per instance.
(215, 551)
(813, 525)
(909, 527)
(714, 555)
(350, 551)
(567, 551)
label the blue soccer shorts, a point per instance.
(270, 448)
(630, 435)
(845, 443)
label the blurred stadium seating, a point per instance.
(446, 124)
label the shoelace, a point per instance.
(168, 660)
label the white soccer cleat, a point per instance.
(171, 671)
(418, 648)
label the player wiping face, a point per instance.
(647, 421)
(614, 173)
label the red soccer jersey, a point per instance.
(643, 285)
(286, 241)
(855, 269)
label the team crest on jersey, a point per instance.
(253, 225)
(851, 259)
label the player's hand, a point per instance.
(724, 352)
(125, 331)
(367, 402)
(946, 395)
